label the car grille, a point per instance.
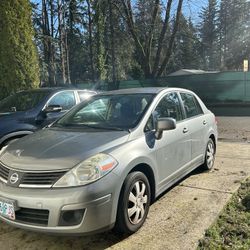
(43, 178)
(33, 216)
(37, 179)
(4, 172)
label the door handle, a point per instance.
(185, 130)
(204, 122)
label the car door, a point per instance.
(173, 151)
(196, 124)
(65, 99)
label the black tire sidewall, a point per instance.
(124, 224)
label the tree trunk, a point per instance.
(47, 45)
(66, 49)
(131, 26)
(113, 59)
(52, 47)
(100, 22)
(61, 39)
(162, 36)
(150, 38)
(145, 50)
(90, 41)
(171, 42)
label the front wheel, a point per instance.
(210, 155)
(133, 204)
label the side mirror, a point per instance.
(164, 124)
(52, 109)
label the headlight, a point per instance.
(3, 149)
(87, 171)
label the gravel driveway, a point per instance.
(234, 128)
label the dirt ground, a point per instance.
(178, 219)
(234, 128)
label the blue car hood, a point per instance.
(8, 116)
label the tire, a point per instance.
(134, 202)
(209, 156)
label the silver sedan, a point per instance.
(105, 161)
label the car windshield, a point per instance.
(108, 112)
(22, 101)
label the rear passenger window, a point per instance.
(191, 105)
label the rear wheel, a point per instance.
(210, 155)
(133, 204)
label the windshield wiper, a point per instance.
(92, 126)
(109, 128)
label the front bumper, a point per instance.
(98, 200)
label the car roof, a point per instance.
(147, 90)
(56, 89)
(153, 90)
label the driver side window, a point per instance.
(169, 106)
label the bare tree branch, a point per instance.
(171, 42)
(150, 36)
(129, 19)
(162, 36)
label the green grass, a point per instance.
(232, 228)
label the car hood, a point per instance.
(8, 116)
(51, 149)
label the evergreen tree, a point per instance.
(234, 20)
(209, 36)
(121, 46)
(191, 51)
(186, 49)
(78, 51)
(18, 56)
(99, 19)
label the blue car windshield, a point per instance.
(22, 101)
(115, 112)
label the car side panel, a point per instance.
(172, 152)
(166, 157)
(197, 127)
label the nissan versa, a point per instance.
(103, 163)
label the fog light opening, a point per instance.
(71, 217)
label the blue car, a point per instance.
(26, 111)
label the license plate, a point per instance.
(7, 209)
